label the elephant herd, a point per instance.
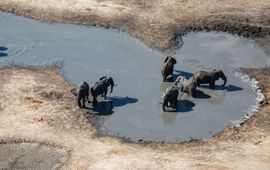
(98, 88)
(170, 96)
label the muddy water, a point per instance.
(89, 53)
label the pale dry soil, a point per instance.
(37, 106)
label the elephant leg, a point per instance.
(175, 103)
(94, 100)
(79, 102)
(198, 83)
(87, 97)
(105, 93)
(164, 78)
(165, 103)
(164, 106)
(83, 100)
(212, 84)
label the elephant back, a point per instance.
(83, 89)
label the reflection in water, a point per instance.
(105, 107)
(182, 107)
(168, 117)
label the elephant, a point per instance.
(167, 69)
(82, 93)
(170, 97)
(204, 77)
(185, 85)
(101, 87)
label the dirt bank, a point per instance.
(154, 22)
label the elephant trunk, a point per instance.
(112, 84)
(224, 78)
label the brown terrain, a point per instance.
(36, 109)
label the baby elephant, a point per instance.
(82, 93)
(170, 97)
(167, 69)
(187, 86)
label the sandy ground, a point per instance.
(35, 108)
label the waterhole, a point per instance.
(86, 54)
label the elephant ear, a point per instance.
(216, 75)
(173, 60)
(167, 58)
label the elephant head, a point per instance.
(109, 82)
(170, 59)
(219, 74)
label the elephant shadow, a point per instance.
(105, 107)
(200, 95)
(121, 101)
(3, 54)
(229, 88)
(183, 106)
(188, 75)
(3, 48)
(232, 88)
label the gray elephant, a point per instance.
(185, 85)
(170, 97)
(209, 77)
(167, 69)
(101, 88)
(82, 93)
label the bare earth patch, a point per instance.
(36, 104)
